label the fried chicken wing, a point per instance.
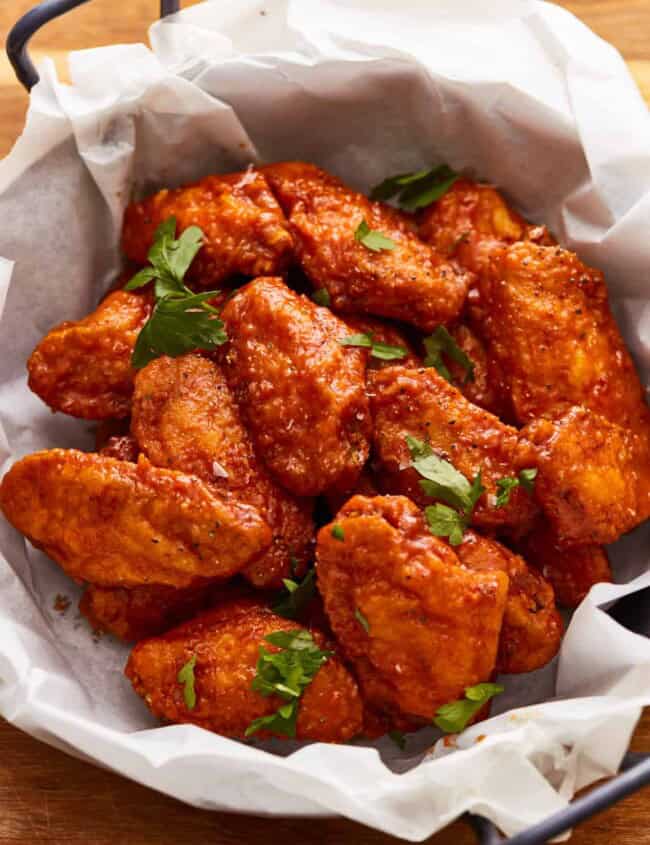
(484, 389)
(545, 318)
(470, 220)
(226, 643)
(422, 404)
(245, 231)
(301, 393)
(416, 625)
(572, 571)
(84, 368)
(409, 282)
(115, 523)
(185, 418)
(532, 627)
(590, 484)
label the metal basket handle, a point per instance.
(32, 21)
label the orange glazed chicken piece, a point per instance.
(416, 625)
(185, 418)
(115, 523)
(245, 231)
(84, 368)
(301, 392)
(225, 645)
(407, 281)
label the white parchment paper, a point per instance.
(519, 93)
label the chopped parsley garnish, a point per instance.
(186, 678)
(398, 738)
(296, 595)
(321, 297)
(361, 619)
(337, 532)
(505, 486)
(180, 320)
(454, 716)
(416, 190)
(378, 350)
(286, 673)
(441, 342)
(373, 240)
(441, 480)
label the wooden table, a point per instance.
(47, 797)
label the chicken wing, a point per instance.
(470, 220)
(422, 404)
(115, 523)
(225, 644)
(244, 228)
(590, 485)
(301, 393)
(532, 627)
(84, 368)
(417, 626)
(185, 418)
(407, 281)
(572, 571)
(484, 388)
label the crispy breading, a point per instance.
(301, 393)
(422, 404)
(387, 333)
(484, 389)
(417, 626)
(590, 485)
(226, 643)
(532, 627)
(245, 230)
(545, 318)
(123, 447)
(572, 571)
(185, 418)
(84, 368)
(115, 523)
(409, 282)
(470, 220)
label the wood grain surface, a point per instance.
(47, 797)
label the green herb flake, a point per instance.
(180, 321)
(454, 716)
(322, 297)
(285, 673)
(398, 738)
(441, 342)
(337, 532)
(377, 350)
(505, 486)
(361, 619)
(527, 479)
(416, 190)
(444, 521)
(373, 240)
(296, 596)
(186, 678)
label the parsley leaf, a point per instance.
(398, 738)
(372, 239)
(296, 596)
(378, 350)
(361, 619)
(321, 297)
(416, 190)
(505, 486)
(180, 320)
(444, 521)
(337, 532)
(286, 673)
(186, 678)
(454, 716)
(442, 342)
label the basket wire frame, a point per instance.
(633, 611)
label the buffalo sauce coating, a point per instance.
(417, 626)
(301, 393)
(84, 368)
(226, 644)
(244, 229)
(422, 404)
(409, 282)
(532, 627)
(185, 418)
(115, 523)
